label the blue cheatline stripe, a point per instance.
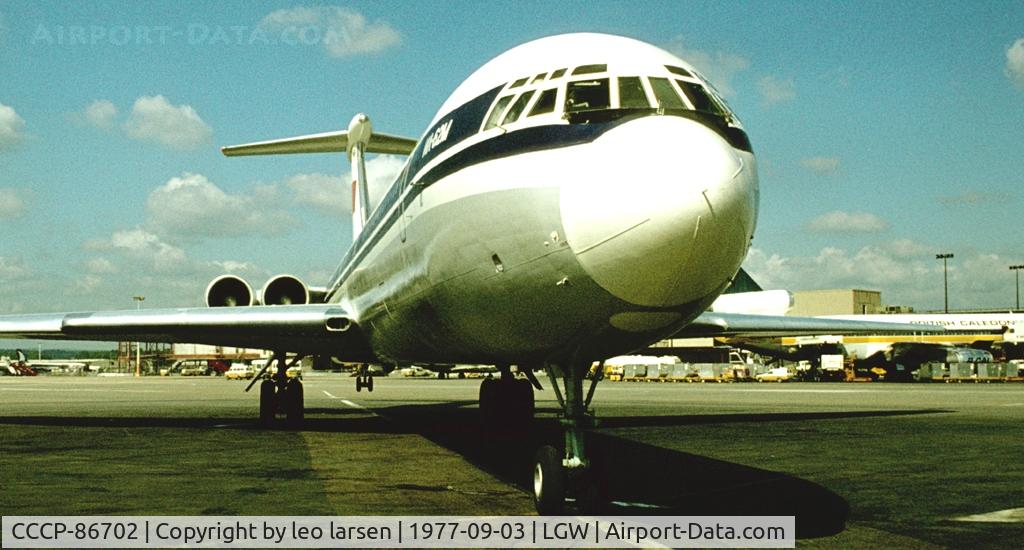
(539, 138)
(527, 140)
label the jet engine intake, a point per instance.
(228, 291)
(284, 290)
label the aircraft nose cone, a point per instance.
(666, 216)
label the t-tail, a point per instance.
(358, 140)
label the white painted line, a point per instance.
(1013, 515)
(353, 405)
(1014, 405)
(328, 394)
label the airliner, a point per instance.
(576, 198)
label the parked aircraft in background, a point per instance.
(576, 198)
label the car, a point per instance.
(416, 371)
(779, 374)
(240, 371)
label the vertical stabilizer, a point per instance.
(359, 131)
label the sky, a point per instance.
(885, 132)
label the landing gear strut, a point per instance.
(279, 394)
(363, 378)
(556, 475)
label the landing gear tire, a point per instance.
(524, 399)
(488, 403)
(268, 403)
(294, 404)
(369, 383)
(548, 482)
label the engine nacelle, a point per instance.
(229, 291)
(284, 290)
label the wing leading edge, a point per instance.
(316, 328)
(734, 324)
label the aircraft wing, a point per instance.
(313, 328)
(734, 324)
(327, 142)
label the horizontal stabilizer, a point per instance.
(327, 142)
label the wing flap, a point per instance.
(316, 328)
(734, 324)
(327, 142)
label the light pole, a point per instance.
(138, 345)
(1016, 273)
(945, 277)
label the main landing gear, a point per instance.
(506, 405)
(573, 473)
(363, 378)
(280, 394)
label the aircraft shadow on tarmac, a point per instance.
(642, 479)
(645, 479)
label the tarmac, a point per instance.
(858, 464)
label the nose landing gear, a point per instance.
(572, 473)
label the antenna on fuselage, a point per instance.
(359, 131)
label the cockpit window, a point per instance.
(557, 74)
(519, 82)
(701, 99)
(587, 95)
(545, 103)
(666, 94)
(517, 108)
(631, 93)
(538, 77)
(678, 70)
(495, 115)
(590, 69)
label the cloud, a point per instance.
(11, 126)
(11, 205)
(332, 195)
(154, 119)
(144, 249)
(774, 90)
(191, 207)
(343, 32)
(718, 67)
(1015, 63)
(847, 222)
(825, 166)
(12, 269)
(145, 264)
(977, 198)
(100, 266)
(905, 271)
(101, 114)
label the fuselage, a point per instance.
(578, 196)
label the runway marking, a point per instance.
(1014, 405)
(328, 394)
(1013, 515)
(353, 405)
